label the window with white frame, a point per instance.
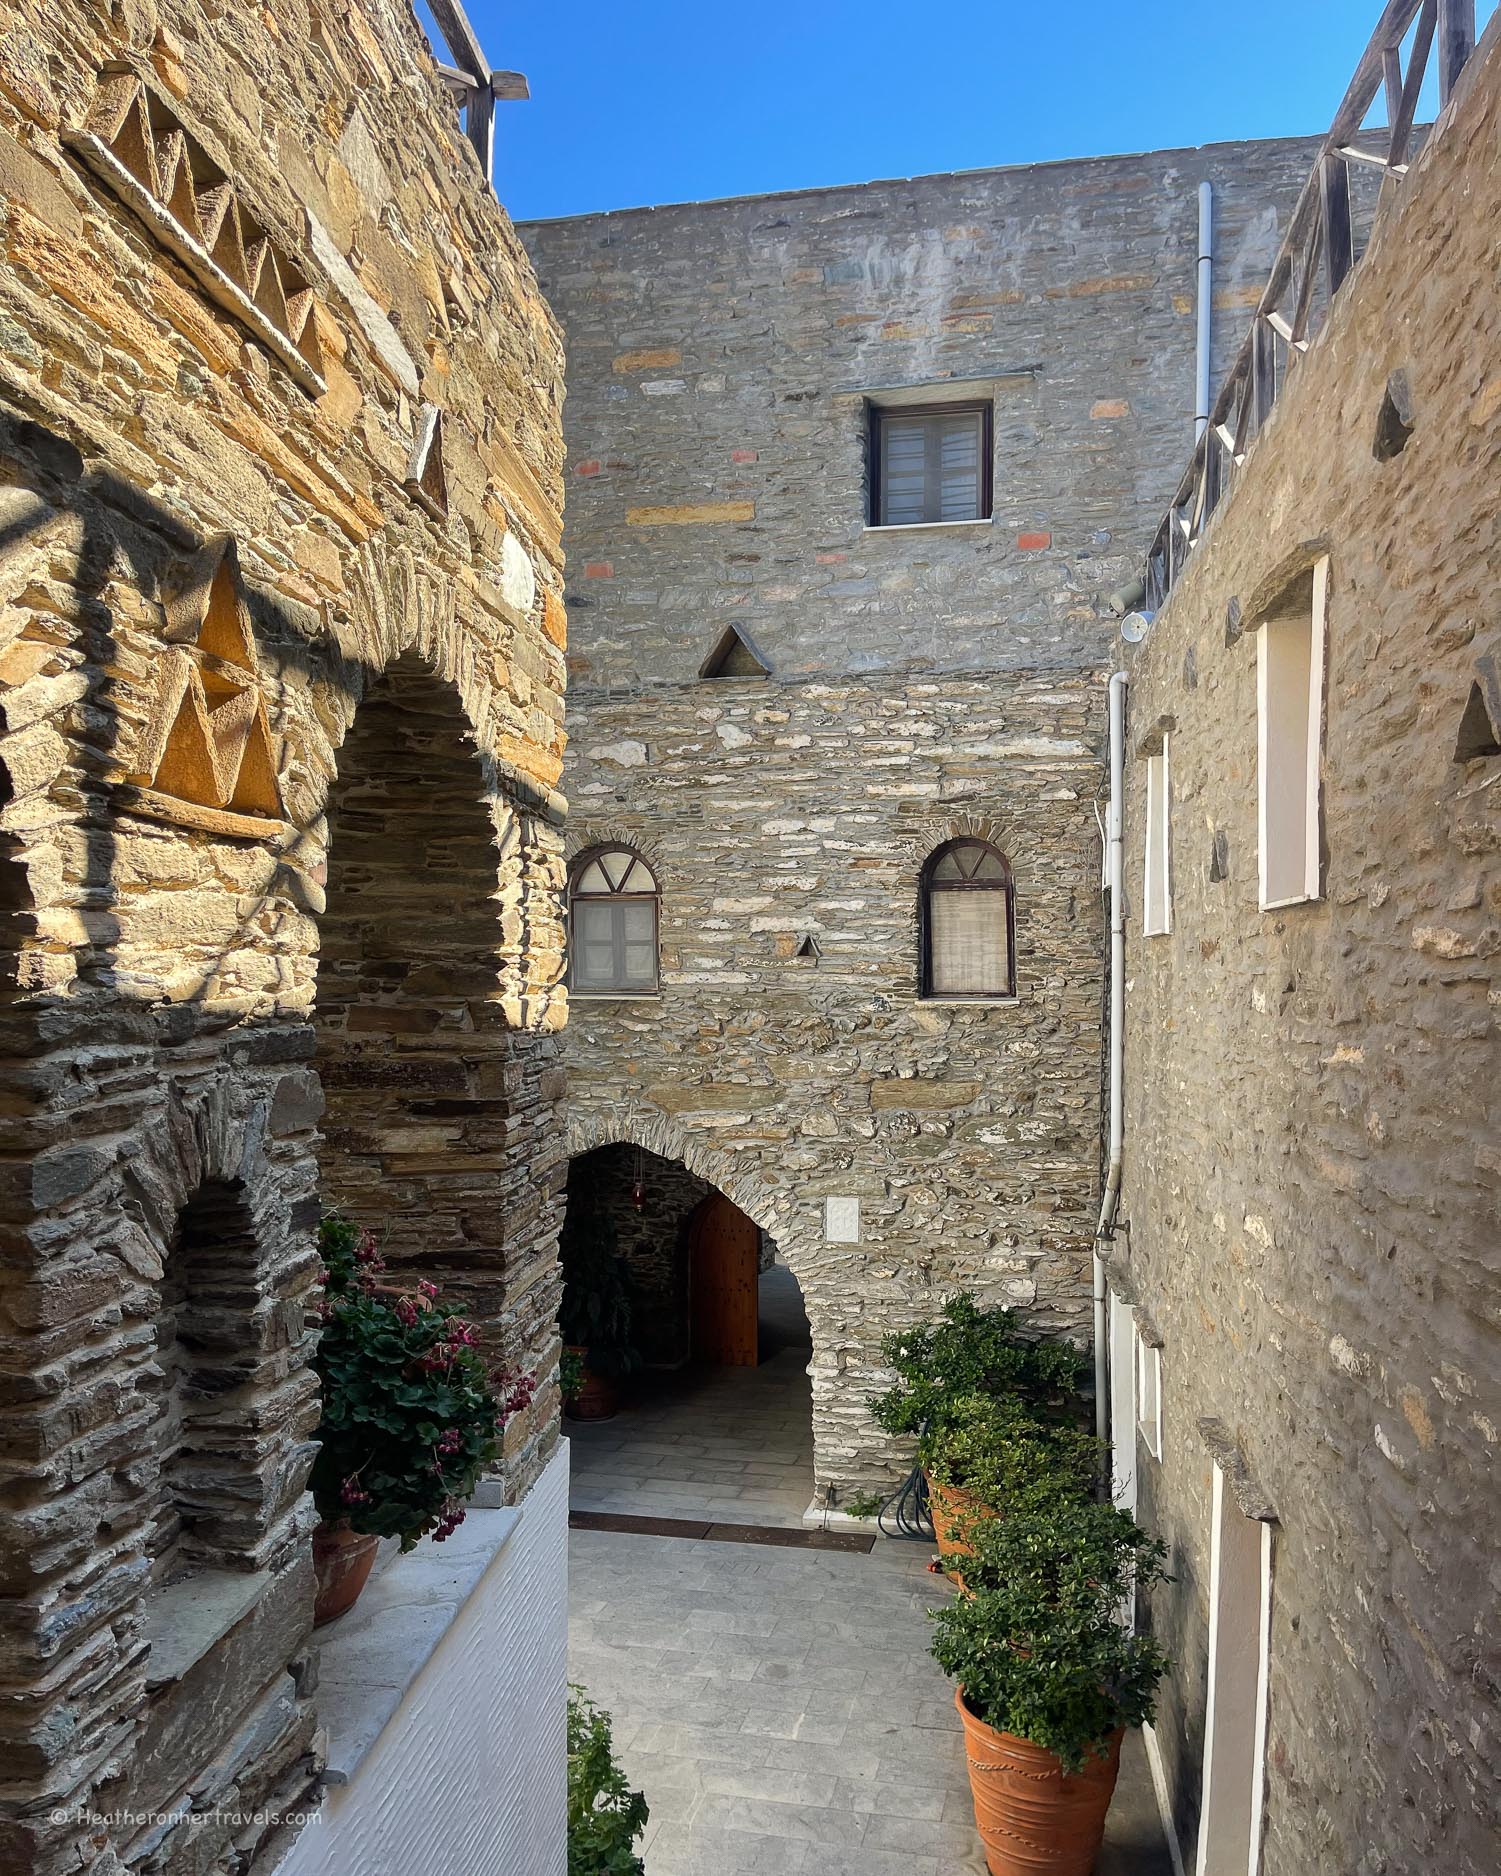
(1157, 895)
(1149, 1394)
(1290, 711)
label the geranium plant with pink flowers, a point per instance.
(412, 1417)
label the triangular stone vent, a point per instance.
(809, 950)
(426, 482)
(1480, 726)
(208, 741)
(734, 656)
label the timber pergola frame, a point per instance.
(475, 87)
(1317, 255)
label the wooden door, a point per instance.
(723, 1264)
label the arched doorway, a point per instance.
(413, 1050)
(714, 1420)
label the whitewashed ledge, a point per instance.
(371, 1656)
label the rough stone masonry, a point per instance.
(923, 683)
(1312, 1130)
(281, 673)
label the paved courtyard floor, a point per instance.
(778, 1707)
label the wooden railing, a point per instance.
(471, 83)
(1354, 173)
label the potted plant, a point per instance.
(1049, 1677)
(595, 1319)
(994, 1456)
(605, 1817)
(946, 1373)
(411, 1416)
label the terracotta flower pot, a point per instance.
(342, 1561)
(950, 1507)
(598, 1398)
(1032, 1816)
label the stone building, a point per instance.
(789, 694)
(281, 679)
(1304, 1272)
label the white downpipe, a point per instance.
(1114, 876)
(1205, 309)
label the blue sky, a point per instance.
(666, 101)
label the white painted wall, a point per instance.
(468, 1776)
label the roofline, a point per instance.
(939, 175)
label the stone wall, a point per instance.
(968, 1133)
(247, 259)
(923, 682)
(1310, 1198)
(719, 360)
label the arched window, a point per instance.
(612, 904)
(967, 919)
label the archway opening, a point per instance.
(411, 1041)
(707, 1360)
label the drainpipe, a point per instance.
(1206, 309)
(1114, 873)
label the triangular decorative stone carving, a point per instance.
(208, 741)
(426, 480)
(734, 656)
(132, 140)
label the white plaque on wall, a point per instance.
(841, 1221)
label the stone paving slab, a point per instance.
(827, 1755)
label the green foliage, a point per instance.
(605, 1817)
(1009, 1456)
(411, 1418)
(969, 1351)
(1039, 1645)
(863, 1504)
(597, 1307)
(570, 1374)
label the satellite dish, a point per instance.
(1134, 627)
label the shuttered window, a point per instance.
(967, 922)
(931, 465)
(613, 924)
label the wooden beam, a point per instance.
(462, 82)
(1456, 41)
(1412, 85)
(509, 87)
(1395, 19)
(454, 25)
(1339, 232)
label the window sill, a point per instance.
(923, 527)
(614, 996)
(1157, 931)
(969, 1003)
(1301, 898)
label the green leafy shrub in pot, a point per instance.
(999, 1451)
(1038, 1645)
(969, 1351)
(412, 1418)
(605, 1817)
(570, 1374)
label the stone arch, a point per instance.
(658, 1133)
(1014, 838)
(586, 834)
(254, 1425)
